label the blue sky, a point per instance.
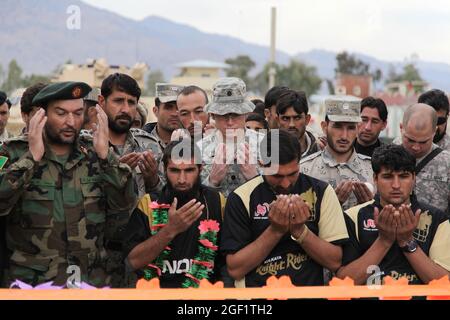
(392, 30)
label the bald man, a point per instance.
(432, 163)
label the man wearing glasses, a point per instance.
(418, 130)
(439, 101)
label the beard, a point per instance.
(116, 127)
(438, 136)
(333, 147)
(56, 137)
(184, 196)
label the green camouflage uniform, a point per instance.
(56, 210)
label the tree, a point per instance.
(33, 79)
(240, 67)
(13, 78)
(409, 73)
(297, 76)
(349, 64)
(2, 76)
(260, 83)
(152, 79)
(300, 76)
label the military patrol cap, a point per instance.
(166, 92)
(61, 91)
(343, 109)
(93, 95)
(229, 97)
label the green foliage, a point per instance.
(240, 66)
(296, 75)
(152, 79)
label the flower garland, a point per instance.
(203, 262)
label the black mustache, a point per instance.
(125, 117)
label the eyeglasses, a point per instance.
(442, 120)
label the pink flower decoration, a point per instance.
(208, 225)
(208, 244)
(192, 277)
(206, 264)
(155, 205)
(158, 270)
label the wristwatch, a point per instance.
(410, 246)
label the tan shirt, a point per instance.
(321, 165)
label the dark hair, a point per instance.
(393, 157)
(26, 104)
(375, 103)
(4, 99)
(435, 98)
(121, 82)
(272, 95)
(158, 102)
(187, 144)
(259, 107)
(190, 90)
(253, 116)
(286, 144)
(295, 99)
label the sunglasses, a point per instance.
(441, 120)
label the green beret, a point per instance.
(61, 91)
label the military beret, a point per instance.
(61, 91)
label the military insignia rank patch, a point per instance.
(76, 92)
(3, 161)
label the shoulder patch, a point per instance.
(310, 157)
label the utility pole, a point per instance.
(272, 71)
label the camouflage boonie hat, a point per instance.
(93, 95)
(343, 109)
(229, 97)
(166, 92)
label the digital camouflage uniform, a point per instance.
(323, 166)
(56, 210)
(445, 143)
(433, 182)
(234, 177)
(228, 97)
(165, 92)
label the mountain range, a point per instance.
(35, 33)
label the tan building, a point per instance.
(202, 73)
(95, 71)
